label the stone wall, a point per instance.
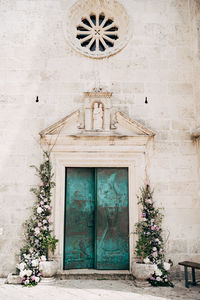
(161, 62)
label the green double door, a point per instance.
(96, 219)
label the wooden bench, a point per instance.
(193, 265)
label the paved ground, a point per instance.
(95, 290)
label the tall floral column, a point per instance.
(38, 232)
(150, 245)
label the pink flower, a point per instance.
(152, 228)
(158, 279)
(152, 278)
(48, 220)
(41, 183)
(155, 254)
(157, 228)
(39, 224)
(33, 277)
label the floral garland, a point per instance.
(38, 233)
(150, 245)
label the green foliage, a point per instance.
(49, 243)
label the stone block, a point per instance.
(13, 279)
(180, 89)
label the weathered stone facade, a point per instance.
(161, 61)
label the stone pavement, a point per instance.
(96, 289)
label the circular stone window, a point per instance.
(97, 28)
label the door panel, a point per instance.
(112, 222)
(79, 218)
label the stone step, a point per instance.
(94, 276)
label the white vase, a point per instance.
(142, 272)
(48, 268)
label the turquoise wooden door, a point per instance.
(79, 219)
(96, 219)
(112, 231)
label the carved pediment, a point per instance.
(97, 118)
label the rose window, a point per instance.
(97, 33)
(97, 28)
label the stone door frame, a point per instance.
(134, 161)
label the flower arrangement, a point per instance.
(150, 245)
(38, 233)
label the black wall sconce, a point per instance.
(146, 101)
(37, 99)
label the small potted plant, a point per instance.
(48, 267)
(150, 265)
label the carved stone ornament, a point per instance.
(97, 111)
(97, 117)
(97, 28)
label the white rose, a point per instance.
(146, 260)
(26, 281)
(158, 272)
(29, 273)
(166, 266)
(37, 279)
(154, 249)
(43, 258)
(22, 274)
(37, 230)
(21, 266)
(39, 210)
(35, 262)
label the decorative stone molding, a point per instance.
(96, 118)
(97, 28)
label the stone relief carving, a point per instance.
(97, 116)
